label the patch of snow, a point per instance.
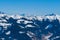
(51, 18)
(29, 26)
(48, 26)
(3, 20)
(30, 34)
(4, 24)
(40, 18)
(58, 17)
(8, 33)
(25, 22)
(2, 38)
(1, 15)
(18, 21)
(21, 26)
(21, 32)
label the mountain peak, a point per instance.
(1, 12)
(52, 14)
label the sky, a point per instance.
(30, 7)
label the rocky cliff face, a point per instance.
(15, 27)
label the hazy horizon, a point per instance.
(30, 7)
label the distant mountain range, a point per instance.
(16, 27)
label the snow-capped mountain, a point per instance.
(16, 27)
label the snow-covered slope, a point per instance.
(16, 27)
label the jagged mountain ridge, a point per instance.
(16, 27)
